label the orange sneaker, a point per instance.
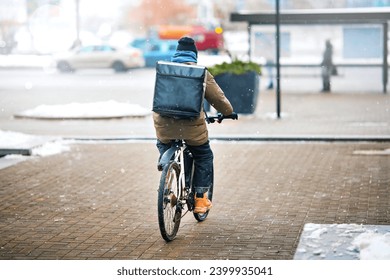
(202, 204)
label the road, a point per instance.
(25, 89)
(22, 89)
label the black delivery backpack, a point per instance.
(179, 90)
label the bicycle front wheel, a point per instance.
(168, 206)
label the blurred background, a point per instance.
(45, 27)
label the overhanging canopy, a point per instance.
(320, 16)
(325, 16)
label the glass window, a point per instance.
(107, 48)
(155, 48)
(87, 49)
(362, 42)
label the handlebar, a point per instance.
(219, 117)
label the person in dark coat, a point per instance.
(194, 131)
(327, 66)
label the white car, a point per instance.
(100, 56)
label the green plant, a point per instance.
(235, 67)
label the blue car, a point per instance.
(155, 50)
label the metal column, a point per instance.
(249, 41)
(277, 60)
(385, 54)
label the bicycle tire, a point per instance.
(201, 217)
(168, 205)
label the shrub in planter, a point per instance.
(240, 82)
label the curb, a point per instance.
(288, 138)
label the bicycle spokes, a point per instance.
(169, 209)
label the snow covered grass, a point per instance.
(95, 110)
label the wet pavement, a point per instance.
(326, 161)
(98, 201)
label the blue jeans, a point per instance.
(203, 165)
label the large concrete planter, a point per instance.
(241, 90)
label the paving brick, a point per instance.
(98, 201)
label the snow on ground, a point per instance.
(39, 146)
(42, 146)
(344, 242)
(15, 140)
(51, 148)
(94, 110)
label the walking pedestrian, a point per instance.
(327, 66)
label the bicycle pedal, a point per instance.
(191, 201)
(173, 199)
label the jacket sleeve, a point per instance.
(216, 97)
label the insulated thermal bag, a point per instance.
(179, 90)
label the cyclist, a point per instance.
(194, 131)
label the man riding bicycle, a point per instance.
(194, 131)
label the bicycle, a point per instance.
(175, 192)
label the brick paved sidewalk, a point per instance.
(98, 201)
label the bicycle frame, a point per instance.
(179, 158)
(177, 153)
(175, 190)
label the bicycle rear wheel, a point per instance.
(168, 205)
(201, 217)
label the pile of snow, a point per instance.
(344, 241)
(38, 146)
(16, 140)
(95, 110)
(51, 148)
(373, 245)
